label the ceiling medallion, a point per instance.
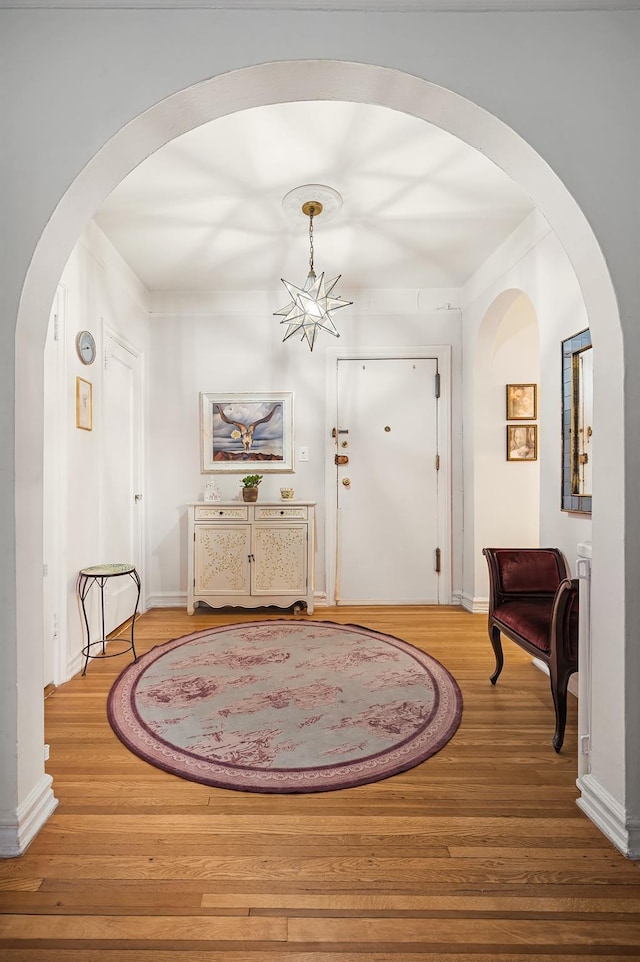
(311, 305)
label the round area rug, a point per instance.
(285, 706)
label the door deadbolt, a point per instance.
(346, 482)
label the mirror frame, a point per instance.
(571, 348)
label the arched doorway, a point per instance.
(506, 493)
(255, 86)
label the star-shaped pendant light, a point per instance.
(311, 306)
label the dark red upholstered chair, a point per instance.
(534, 602)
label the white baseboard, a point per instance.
(609, 816)
(166, 599)
(573, 681)
(169, 599)
(18, 831)
(477, 606)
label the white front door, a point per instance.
(121, 475)
(387, 492)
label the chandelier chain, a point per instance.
(311, 240)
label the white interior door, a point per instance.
(387, 498)
(121, 475)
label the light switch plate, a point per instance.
(303, 454)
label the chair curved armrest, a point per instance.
(564, 626)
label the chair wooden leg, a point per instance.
(559, 687)
(494, 635)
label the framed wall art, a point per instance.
(522, 402)
(239, 431)
(522, 442)
(84, 404)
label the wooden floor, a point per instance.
(478, 854)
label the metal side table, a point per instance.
(100, 574)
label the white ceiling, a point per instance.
(420, 208)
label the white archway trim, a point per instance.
(17, 833)
(284, 82)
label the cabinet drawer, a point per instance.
(276, 513)
(241, 513)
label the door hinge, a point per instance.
(56, 327)
(438, 554)
(437, 384)
(437, 462)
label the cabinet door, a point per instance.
(280, 552)
(222, 565)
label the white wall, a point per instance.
(100, 291)
(190, 352)
(530, 262)
(506, 494)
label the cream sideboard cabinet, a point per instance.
(251, 554)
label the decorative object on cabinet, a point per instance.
(211, 491)
(251, 555)
(577, 422)
(522, 402)
(522, 442)
(240, 430)
(250, 487)
(285, 706)
(286, 494)
(84, 404)
(534, 602)
(311, 306)
(86, 347)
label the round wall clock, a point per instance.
(86, 347)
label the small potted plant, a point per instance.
(250, 487)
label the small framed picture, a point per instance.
(522, 442)
(84, 404)
(522, 402)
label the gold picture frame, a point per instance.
(522, 402)
(522, 442)
(84, 404)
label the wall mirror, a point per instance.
(577, 421)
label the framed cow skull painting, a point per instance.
(239, 431)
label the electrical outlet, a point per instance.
(303, 454)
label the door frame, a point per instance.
(110, 333)
(442, 354)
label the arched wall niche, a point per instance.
(506, 495)
(178, 113)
